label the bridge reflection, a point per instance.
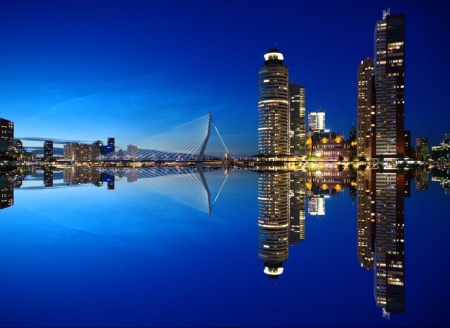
(187, 185)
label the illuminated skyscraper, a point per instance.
(389, 46)
(273, 106)
(366, 105)
(298, 119)
(422, 148)
(6, 135)
(48, 149)
(316, 121)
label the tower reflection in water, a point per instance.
(381, 234)
(281, 216)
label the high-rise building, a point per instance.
(110, 146)
(273, 106)
(366, 105)
(422, 148)
(6, 135)
(133, 151)
(298, 119)
(316, 121)
(48, 149)
(389, 68)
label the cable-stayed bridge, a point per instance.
(183, 143)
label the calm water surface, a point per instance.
(154, 248)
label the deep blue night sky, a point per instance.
(87, 70)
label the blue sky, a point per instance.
(88, 70)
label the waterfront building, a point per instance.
(389, 69)
(366, 105)
(273, 106)
(316, 121)
(422, 148)
(18, 144)
(6, 135)
(48, 150)
(132, 152)
(110, 146)
(97, 149)
(443, 150)
(297, 95)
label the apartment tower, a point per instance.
(366, 108)
(273, 106)
(298, 119)
(389, 68)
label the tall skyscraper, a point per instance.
(389, 45)
(6, 135)
(423, 151)
(316, 121)
(297, 118)
(366, 105)
(273, 106)
(133, 151)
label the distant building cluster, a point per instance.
(443, 150)
(282, 128)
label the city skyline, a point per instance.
(131, 71)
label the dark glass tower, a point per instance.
(6, 135)
(389, 67)
(297, 119)
(48, 149)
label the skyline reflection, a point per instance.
(287, 200)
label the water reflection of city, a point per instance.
(286, 198)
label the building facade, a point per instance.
(6, 135)
(297, 104)
(366, 105)
(316, 121)
(389, 68)
(273, 106)
(48, 149)
(422, 148)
